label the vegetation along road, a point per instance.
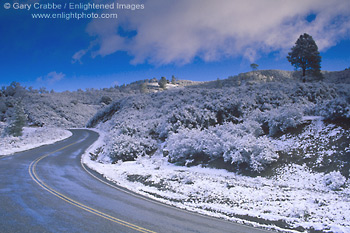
(47, 189)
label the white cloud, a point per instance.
(51, 77)
(177, 31)
(78, 55)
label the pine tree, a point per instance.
(173, 80)
(17, 121)
(144, 87)
(305, 55)
(162, 82)
(254, 66)
(218, 83)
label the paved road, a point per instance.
(47, 190)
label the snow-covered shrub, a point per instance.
(191, 117)
(105, 100)
(230, 109)
(335, 109)
(193, 146)
(334, 180)
(280, 119)
(256, 152)
(233, 143)
(128, 148)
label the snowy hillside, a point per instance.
(65, 109)
(69, 109)
(234, 124)
(46, 115)
(262, 126)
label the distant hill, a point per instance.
(65, 109)
(70, 109)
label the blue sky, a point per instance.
(191, 39)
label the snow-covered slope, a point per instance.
(259, 124)
(65, 109)
(70, 109)
(233, 123)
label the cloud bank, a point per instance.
(175, 32)
(51, 78)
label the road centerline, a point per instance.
(35, 177)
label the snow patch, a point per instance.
(295, 196)
(31, 138)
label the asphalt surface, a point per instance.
(48, 190)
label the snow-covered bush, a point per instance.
(335, 109)
(105, 100)
(128, 148)
(193, 146)
(233, 143)
(192, 117)
(256, 152)
(59, 109)
(334, 180)
(280, 119)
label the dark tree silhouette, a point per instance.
(305, 55)
(162, 82)
(17, 121)
(254, 66)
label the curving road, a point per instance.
(47, 190)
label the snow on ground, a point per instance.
(293, 197)
(31, 138)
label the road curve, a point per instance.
(47, 190)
